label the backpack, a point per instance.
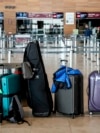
(16, 112)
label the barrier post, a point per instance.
(88, 48)
(85, 46)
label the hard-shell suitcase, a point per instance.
(39, 95)
(69, 101)
(94, 88)
(93, 92)
(10, 86)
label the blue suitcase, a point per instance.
(10, 86)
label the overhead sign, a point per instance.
(57, 15)
(87, 15)
(39, 15)
(54, 15)
(1, 15)
(21, 15)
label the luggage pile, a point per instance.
(67, 87)
(10, 85)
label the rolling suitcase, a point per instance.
(39, 95)
(68, 84)
(10, 86)
(69, 100)
(94, 90)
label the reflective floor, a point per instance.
(57, 123)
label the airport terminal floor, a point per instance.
(57, 123)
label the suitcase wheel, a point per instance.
(90, 113)
(54, 111)
(73, 116)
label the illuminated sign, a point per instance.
(83, 15)
(21, 15)
(54, 15)
(57, 15)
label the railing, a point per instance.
(89, 47)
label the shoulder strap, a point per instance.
(1, 109)
(16, 112)
(26, 52)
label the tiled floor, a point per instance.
(57, 123)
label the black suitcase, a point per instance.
(39, 95)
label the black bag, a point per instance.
(16, 112)
(39, 93)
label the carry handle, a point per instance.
(98, 57)
(63, 61)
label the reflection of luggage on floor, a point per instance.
(39, 91)
(68, 89)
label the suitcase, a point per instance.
(69, 101)
(39, 95)
(10, 86)
(68, 98)
(93, 92)
(94, 89)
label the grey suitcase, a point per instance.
(70, 101)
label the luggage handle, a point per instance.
(71, 55)
(63, 61)
(98, 44)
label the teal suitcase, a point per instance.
(11, 85)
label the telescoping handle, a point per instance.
(71, 55)
(63, 62)
(98, 56)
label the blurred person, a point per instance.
(98, 34)
(88, 31)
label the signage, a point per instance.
(57, 15)
(1, 15)
(69, 18)
(39, 15)
(21, 15)
(54, 15)
(87, 15)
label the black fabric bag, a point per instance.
(16, 112)
(38, 87)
